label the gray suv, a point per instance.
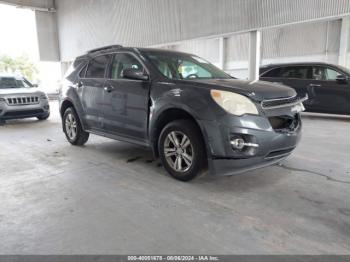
(20, 99)
(191, 114)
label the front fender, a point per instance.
(195, 102)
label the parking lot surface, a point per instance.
(111, 197)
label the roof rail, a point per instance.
(104, 48)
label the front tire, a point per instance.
(182, 150)
(73, 129)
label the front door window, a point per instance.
(124, 61)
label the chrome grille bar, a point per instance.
(282, 102)
(23, 100)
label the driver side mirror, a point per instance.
(35, 85)
(135, 74)
(342, 79)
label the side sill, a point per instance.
(119, 138)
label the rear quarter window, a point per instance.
(74, 69)
(272, 73)
(82, 72)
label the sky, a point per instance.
(18, 32)
(18, 36)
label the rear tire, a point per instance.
(182, 150)
(73, 129)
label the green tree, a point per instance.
(21, 64)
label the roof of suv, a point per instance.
(297, 64)
(114, 48)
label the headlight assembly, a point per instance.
(43, 97)
(234, 103)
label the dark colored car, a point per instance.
(192, 114)
(327, 86)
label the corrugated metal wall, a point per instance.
(30, 3)
(203, 48)
(318, 41)
(85, 24)
(299, 40)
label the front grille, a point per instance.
(285, 123)
(25, 100)
(282, 102)
(24, 113)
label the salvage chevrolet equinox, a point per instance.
(190, 113)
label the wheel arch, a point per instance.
(165, 117)
(67, 103)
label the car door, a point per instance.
(92, 95)
(296, 76)
(329, 95)
(126, 100)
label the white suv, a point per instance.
(20, 99)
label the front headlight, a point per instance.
(234, 103)
(43, 97)
(2, 99)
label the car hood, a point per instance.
(256, 90)
(17, 91)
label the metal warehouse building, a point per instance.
(220, 31)
(143, 147)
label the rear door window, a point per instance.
(97, 67)
(296, 72)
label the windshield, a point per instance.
(11, 82)
(182, 66)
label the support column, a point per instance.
(254, 55)
(64, 67)
(47, 35)
(344, 41)
(222, 52)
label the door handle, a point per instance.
(315, 85)
(108, 89)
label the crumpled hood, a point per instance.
(256, 90)
(20, 91)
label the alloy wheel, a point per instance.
(71, 126)
(178, 151)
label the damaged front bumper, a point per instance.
(239, 144)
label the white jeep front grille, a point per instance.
(24, 100)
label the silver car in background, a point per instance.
(20, 99)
